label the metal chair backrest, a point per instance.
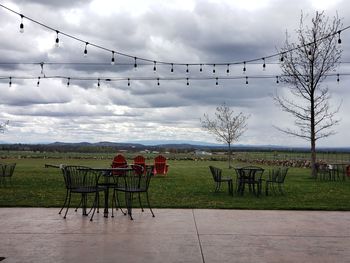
(80, 177)
(216, 173)
(282, 174)
(136, 181)
(7, 169)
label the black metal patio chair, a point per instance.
(275, 178)
(132, 182)
(6, 173)
(83, 181)
(218, 179)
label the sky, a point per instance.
(178, 31)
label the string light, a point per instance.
(112, 59)
(148, 60)
(213, 68)
(264, 65)
(244, 68)
(187, 71)
(85, 50)
(57, 42)
(154, 66)
(21, 26)
(158, 79)
(228, 69)
(38, 83)
(172, 68)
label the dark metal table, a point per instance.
(250, 175)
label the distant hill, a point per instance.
(155, 146)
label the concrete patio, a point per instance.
(175, 235)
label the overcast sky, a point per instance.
(178, 31)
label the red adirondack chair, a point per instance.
(160, 166)
(119, 161)
(140, 160)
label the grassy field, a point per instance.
(188, 185)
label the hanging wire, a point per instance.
(161, 62)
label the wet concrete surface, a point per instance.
(175, 235)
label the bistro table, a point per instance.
(250, 175)
(110, 178)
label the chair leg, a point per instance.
(94, 205)
(117, 203)
(79, 205)
(65, 201)
(149, 205)
(69, 198)
(218, 186)
(267, 188)
(230, 187)
(128, 201)
(139, 196)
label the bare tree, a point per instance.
(3, 126)
(304, 69)
(226, 126)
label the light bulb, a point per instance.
(128, 81)
(187, 82)
(282, 57)
(172, 68)
(38, 83)
(85, 50)
(21, 26)
(187, 71)
(264, 65)
(98, 83)
(246, 80)
(244, 68)
(339, 39)
(154, 66)
(200, 68)
(158, 82)
(68, 82)
(214, 69)
(277, 80)
(217, 81)
(112, 59)
(57, 42)
(10, 82)
(228, 69)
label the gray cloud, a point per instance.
(210, 32)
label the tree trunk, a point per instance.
(229, 156)
(312, 136)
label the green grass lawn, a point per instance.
(188, 185)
